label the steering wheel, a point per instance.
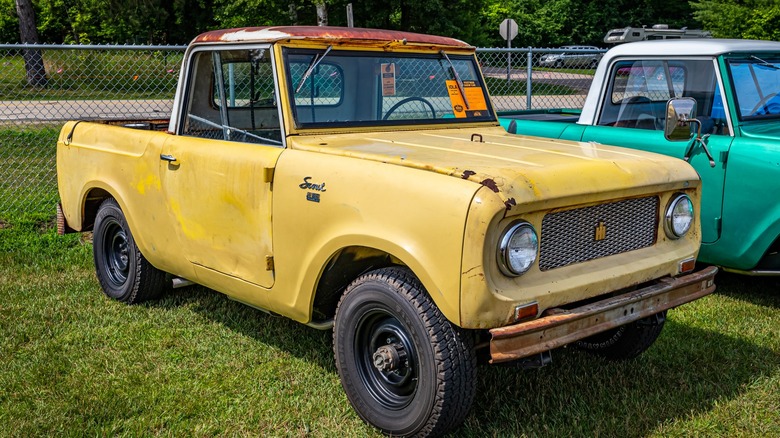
(763, 102)
(407, 100)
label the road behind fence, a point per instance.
(139, 82)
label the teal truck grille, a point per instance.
(583, 234)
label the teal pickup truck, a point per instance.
(723, 96)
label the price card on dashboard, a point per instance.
(474, 103)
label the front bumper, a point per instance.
(558, 327)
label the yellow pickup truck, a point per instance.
(358, 180)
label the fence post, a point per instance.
(529, 70)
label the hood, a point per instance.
(518, 168)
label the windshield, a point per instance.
(756, 83)
(349, 88)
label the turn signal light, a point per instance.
(525, 311)
(687, 265)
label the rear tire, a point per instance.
(122, 271)
(405, 369)
(625, 342)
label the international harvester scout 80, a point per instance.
(358, 180)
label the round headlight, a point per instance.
(679, 216)
(517, 249)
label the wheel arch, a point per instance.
(90, 203)
(343, 268)
(349, 261)
(92, 197)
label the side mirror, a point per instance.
(680, 117)
(680, 113)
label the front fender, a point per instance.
(416, 216)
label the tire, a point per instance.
(625, 342)
(122, 271)
(425, 380)
(559, 64)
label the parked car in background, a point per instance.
(572, 56)
(734, 144)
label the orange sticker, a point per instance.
(472, 105)
(456, 99)
(388, 79)
(474, 96)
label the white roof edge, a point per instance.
(691, 47)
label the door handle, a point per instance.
(169, 158)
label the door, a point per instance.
(217, 171)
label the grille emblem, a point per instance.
(601, 232)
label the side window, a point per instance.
(639, 90)
(649, 80)
(231, 96)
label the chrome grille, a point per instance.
(571, 236)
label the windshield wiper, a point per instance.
(457, 78)
(314, 63)
(764, 63)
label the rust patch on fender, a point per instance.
(489, 183)
(467, 174)
(510, 203)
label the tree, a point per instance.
(755, 19)
(28, 32)
(322, 13)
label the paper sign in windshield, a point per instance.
(474, 96)
(388, 79)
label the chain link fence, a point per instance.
(138, 83)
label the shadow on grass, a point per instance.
(761, 291)
(686, 372)
(283, 333)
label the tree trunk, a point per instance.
(33, 59)
(322, 14)
(293, 12)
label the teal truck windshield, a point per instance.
(756, 87)
(332, 88)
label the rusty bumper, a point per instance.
(560, 327)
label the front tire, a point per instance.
(625, 342)
(122, 271)
(405, 369)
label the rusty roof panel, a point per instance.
(324, 33)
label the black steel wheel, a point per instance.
(625, 342)
(122, 271)
(405, 369)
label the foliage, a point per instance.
(754, 19)
(541, 22)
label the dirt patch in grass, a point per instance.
(4, 224)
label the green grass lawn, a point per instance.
(28, 169)
(95, 74)
(73, 362)
(498, 86)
